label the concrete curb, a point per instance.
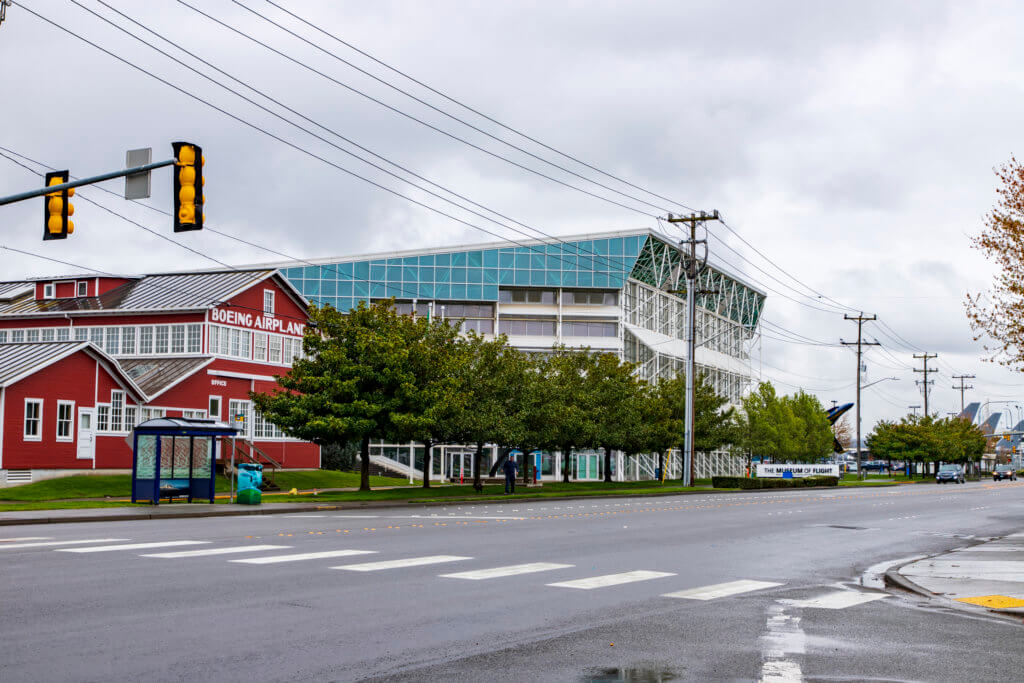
(46, 516)
(893, 579)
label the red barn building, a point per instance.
(85, 359)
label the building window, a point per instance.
(195, 338)
(17, 336)
(49, 290)
(526, 296)
(146, 340)
(481, 326)
(243, 352)
(65, 410)
(113, 345)
(102, 418)
(268, 302)
(33, 419)
(83, 289)
(162, 332)
(535, 328)
(239, 416)
(116, 411)
(63, 333)
(48, 334)
(177, 339)
(127, 340)
(259, 346)
(590, 298)
(3, 336)
(589, 328)
(96, 336)
(32, 335)
(275, 348)
(215, 407)
(130, 415)
(81, 334)
(213, 343)
(236, 340)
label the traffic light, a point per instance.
(188, 186)
(57, 208)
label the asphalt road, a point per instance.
(587, 596)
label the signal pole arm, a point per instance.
(21, 196)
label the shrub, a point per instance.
(771, 483)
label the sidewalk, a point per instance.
(988, 575)
(165, 511)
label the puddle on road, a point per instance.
(629, 675)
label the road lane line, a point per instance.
(398, 564)
(721, 590)
(273, 559)
(52, 543)
(837, 600)
(217, 551)
(129, 546)
(26, 538)
(611, 579)
(511, 570)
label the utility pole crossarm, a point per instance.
(924, 358)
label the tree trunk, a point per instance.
(364, 464)
(427, 463)
(566, 465)
(607, 465)
(661, 466)
(526, 466)
(478, 458)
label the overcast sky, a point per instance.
(852, 143)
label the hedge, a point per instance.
(773, 483)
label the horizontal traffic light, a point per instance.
(188, 186)
(58, 208)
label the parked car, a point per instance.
(1004, 472)
(950, 473)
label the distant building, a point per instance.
(622, 292)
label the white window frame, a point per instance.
(38, 436)
(82, 288)
(70, 436)
(220, 407)
(49, 291)
(268, 303)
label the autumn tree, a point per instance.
(998, 315)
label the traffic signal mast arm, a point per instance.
(83, 181)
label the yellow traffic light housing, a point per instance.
(188, 186)
(57, 208)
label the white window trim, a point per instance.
(52, 289)
(24, 421)
(220, 407)
(269, 313)
(82, 288)
(71, 422)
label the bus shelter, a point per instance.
(174, 457)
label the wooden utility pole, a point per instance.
(962, 388)
(925, 357)
(693, 267)
(860, 320)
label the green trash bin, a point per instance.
(250, 476)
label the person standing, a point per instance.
(511, 470)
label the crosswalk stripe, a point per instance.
(44, 544)
(721, 590)
(273, 559)
(837, 600)
(611, 579)
(217, 551)
(512, 570)
(397, 564)
(25, 538)
(129, 546)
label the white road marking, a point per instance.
(781, 646)
(453, 517)
(398, 564)
(991, 549)
(217, 551)
(356, 516)
(129, 546)
(837, 600)
(611, 579)
(512, 570)
(50, 543)
(25, 538)
(305, 516)
(721, 590)
(273, 559)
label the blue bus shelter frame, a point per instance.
(149, 482)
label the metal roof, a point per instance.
(177, 424)
(12, 290)
(17, 360)
(156, 375)
(151, 293)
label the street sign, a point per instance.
(137, 185)
(797, 470)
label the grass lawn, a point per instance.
(66, 505)
(120, 485)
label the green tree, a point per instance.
(812, 437)
(353, 383)
(613, 394)
(768, 428)
(557, 416)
